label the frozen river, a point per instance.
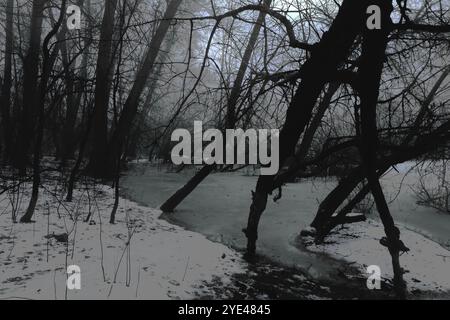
(218, 208)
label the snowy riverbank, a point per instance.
(164, 261)
(225, 199)
(426, 265)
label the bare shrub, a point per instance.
(433, 188)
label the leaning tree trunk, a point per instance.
(5, 99)
(297, 162)
(103, 82)
(230, 122)
(150, 97)
(181, 194)
(129, 111)
(325, 59)
(371, 65)
(335, 198)
(324, 220)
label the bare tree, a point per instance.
(231, 116)
(121, 132)
(320, 69)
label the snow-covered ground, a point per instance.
(163, 262)
(427, 264)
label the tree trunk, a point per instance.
(30, 79)
(323, 221)
(74, 94)
(103, 84)
(48, 62)
(181, 194)
(150, 98)
(237, 86)
(5, 99)
(335, 198)
(325, 59)
(295, 165)
(370, 70)
(112, 219)
(81, 150)
(116, 144)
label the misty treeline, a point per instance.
(350, 101)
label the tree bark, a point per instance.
(103, 84)
(30, 80)
(112, 218)
(149, 101)
(334, 199)
(5, 99)
(370, 70)
(325, 59)
(74, 93)
(48, 62)
(181, 194)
